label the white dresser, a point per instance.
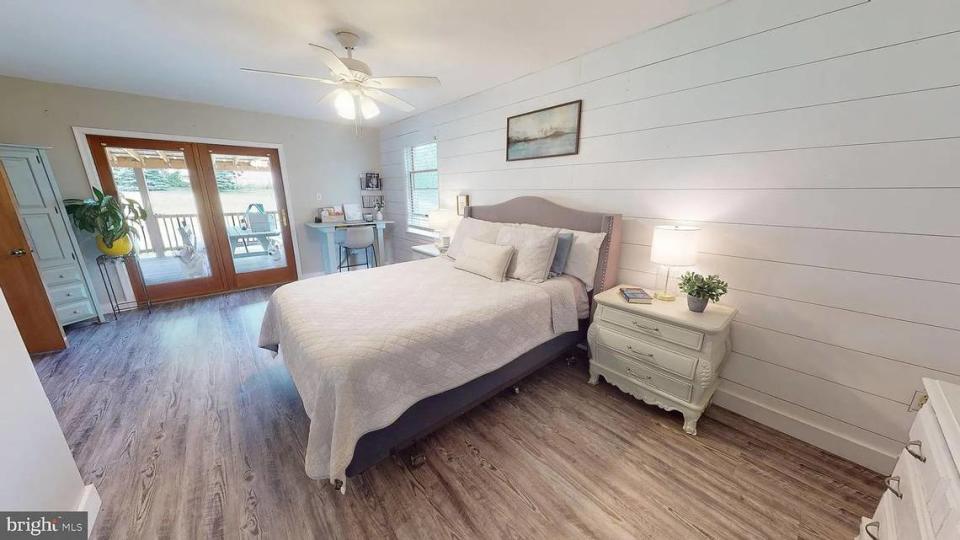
(922, 499)
(661, 353)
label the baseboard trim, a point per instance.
(90, 503)
(879, 454)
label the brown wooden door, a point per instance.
(245, 189)
(178, 247)
(21, 283)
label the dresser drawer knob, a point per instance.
(889, 482)
(875, 533)
(646, 328)
(638, 353)
(918, 453)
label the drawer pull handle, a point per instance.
(875, 534)
(637, 375)
(646, 328)
(918, 453)
(639, 353)
(888, 483)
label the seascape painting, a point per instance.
(554, 131)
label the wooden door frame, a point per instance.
(86, 157)
(217, 281)
(246, 280)
(44, 333)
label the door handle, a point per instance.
(18, 252)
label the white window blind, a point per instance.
(423, 184)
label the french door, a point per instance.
(216, 215)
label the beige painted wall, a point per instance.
(320, 157)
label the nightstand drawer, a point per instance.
(642, 351)
(650, 327)
(645, 376)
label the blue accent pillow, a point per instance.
(564, 243)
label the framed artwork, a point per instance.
(371, 181)
(331, 214)
(550, 132)
(463, 201)
(370, 201)
(352, 212)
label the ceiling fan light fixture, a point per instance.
(368, 108)
(344, 105)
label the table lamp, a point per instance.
(440, 220)
(673, 245)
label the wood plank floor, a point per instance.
(189, 431)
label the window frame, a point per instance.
(416, 223)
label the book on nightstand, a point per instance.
(634, 295)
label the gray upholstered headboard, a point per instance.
(538, 211)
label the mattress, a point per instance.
(362, 347)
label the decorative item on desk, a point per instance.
(352, 212)
(440, 220)
(371, 181)
(463, 201)
(331, 214)
(700, 289)
(109, 218)
(379, 206)
(672, 246)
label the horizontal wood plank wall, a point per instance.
(817, 144)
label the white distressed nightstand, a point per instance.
(425, 251)
(661, 353)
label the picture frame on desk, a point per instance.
(370, 201)
(352, 212)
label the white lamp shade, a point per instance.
(674, 245)
(368, 108)
(440, 219)
(344, 104)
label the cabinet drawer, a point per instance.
(651, 327)
(63, 274)
(643, 351)
(65, 294)
(909, 508)
(77, 311)
(938, 478)
(645, 376)
(886, 525)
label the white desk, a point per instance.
(328, 234)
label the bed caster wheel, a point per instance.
(416, 460)
(338, 485)
(571, 360)
(516, 389)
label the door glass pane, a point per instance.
(170, 242)
(250, 210)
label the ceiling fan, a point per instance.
(358, 90)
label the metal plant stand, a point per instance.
(102, 261)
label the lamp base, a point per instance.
(664, 296)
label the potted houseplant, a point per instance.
(108, 218)
(701, 289)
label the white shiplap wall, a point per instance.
(818, 145)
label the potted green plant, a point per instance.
(108, 218)
(701, 289)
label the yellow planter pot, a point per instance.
(121, 246)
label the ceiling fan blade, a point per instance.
(333, 61)
(294, 75)
(403, 82)
(388, 99)
(329, 98)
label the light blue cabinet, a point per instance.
(50, 233)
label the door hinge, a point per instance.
(37, 158)
(56, 209)
(74, 256)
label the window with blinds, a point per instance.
(423, 184)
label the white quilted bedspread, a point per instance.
(362, 347)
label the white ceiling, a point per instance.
(191, 50)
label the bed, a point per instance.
(385, 356)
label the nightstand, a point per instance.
(661, 353)
(425, 251)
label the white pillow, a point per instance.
(584, 255)
(535, 248)
(484, 231)
(484, 259)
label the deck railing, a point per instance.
(168, 229)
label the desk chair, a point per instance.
(357, 238)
